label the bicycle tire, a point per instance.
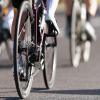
(23, 93)
(73, 38)
(49, 71)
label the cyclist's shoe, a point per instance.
(51, 22)
(90, 32)
(86, 51)
(77, 57)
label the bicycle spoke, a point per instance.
(22, 30)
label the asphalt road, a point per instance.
(82, 83)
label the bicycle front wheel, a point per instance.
(50, 57)
(75, 37)
(22, 70)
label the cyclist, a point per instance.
(51, 6)
(91, 6)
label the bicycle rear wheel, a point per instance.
(23, 72)
(50, 57)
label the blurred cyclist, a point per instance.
(91, 9)
(91, 6)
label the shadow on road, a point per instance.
(5, 66)
(10, 98)
(75, 92)
(5, 91)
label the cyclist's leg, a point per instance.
(69, 5)
(91, 10)
(91, 6)
(68, 16)
(51, 9)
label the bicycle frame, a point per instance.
(38, 15)
(39, 36)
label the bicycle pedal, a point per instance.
(51, 28)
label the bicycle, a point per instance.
(5, 36)
(78, 31)
(33, 50)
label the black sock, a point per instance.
(88, 16)
(69, 18)
(68, 25)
